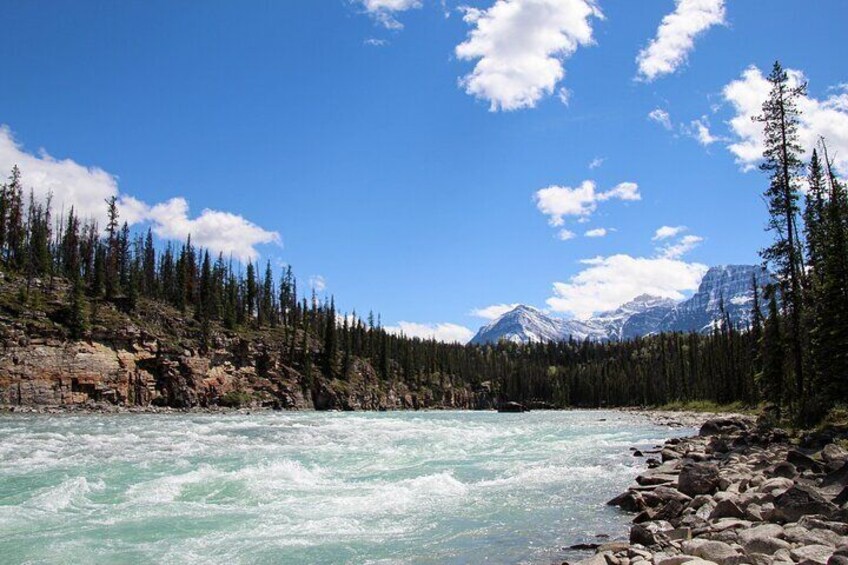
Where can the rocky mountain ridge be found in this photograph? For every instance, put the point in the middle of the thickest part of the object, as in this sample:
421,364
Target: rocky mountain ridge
725,290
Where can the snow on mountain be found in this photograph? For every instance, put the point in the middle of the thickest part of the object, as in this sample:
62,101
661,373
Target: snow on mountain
526,324
729,287
641,316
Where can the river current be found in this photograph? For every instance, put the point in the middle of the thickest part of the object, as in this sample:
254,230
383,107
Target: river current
314,487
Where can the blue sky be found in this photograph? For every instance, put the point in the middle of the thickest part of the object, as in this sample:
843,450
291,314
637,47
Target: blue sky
393,151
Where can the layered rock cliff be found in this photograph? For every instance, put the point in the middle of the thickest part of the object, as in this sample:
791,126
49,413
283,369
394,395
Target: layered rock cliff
152,357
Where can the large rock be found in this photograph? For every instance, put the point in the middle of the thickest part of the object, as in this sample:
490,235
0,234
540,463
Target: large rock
798,501
629,501
834,456
718,426
839,557
726,509
698,478
812,554
650,533
764,545
763,531
715,551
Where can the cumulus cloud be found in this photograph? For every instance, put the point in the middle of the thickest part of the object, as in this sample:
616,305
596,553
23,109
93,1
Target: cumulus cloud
71,184
565,235
666,232
607,282
827,117
494,311
700,130
385,11
86,189
676,35
661,117
680,248
597,232
446,332
557,202
519,47
596,162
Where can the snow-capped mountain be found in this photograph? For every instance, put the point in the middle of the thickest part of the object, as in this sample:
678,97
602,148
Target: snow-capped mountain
526,324
641,316
731,285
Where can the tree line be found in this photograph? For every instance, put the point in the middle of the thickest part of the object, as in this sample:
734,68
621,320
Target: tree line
793,353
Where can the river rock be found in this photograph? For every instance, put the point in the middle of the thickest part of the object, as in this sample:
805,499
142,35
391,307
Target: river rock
629,501
716,551
812,554
764,545
834,456
839,557
763,531
726,509
698,478
718,426
799,501
650,533
665,494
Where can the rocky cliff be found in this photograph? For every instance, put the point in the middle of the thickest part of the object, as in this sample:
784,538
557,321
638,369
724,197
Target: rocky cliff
152,358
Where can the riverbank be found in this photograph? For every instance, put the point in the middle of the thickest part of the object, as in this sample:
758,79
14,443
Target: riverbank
738,492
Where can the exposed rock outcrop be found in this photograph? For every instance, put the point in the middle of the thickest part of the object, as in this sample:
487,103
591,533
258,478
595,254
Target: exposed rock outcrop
743,494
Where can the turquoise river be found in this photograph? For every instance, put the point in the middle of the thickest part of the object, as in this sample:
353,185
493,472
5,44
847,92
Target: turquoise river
314,487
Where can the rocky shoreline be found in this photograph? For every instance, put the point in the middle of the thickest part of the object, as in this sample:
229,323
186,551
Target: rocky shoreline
740,492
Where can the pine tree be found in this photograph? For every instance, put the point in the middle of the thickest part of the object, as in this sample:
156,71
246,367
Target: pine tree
77,318
15,229
250,292
773,355
782,161
831,297
148,266
331,344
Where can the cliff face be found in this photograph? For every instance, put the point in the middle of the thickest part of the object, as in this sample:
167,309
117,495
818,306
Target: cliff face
141,372
153,358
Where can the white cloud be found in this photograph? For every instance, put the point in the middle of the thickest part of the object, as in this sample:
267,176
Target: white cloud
597,232
446,332
607,282
596,162
700,130
661,117
494,311
519,47
565,235
384,11
683,246
826,117
374,42
622,191
72,184
676,36
88,188
666,232
317,283
557,202
224,232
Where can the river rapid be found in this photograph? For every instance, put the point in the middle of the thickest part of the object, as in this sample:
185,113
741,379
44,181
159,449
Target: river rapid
314,487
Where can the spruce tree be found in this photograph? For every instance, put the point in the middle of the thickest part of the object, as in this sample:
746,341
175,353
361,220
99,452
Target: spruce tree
782,161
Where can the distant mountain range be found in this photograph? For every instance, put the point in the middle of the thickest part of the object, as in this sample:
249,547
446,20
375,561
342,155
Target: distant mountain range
644,315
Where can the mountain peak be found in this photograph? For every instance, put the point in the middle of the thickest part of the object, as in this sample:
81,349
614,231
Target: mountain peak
723,286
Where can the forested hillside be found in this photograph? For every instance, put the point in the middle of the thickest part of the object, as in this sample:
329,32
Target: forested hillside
75,281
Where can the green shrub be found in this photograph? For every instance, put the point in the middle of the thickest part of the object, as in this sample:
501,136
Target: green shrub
235,399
